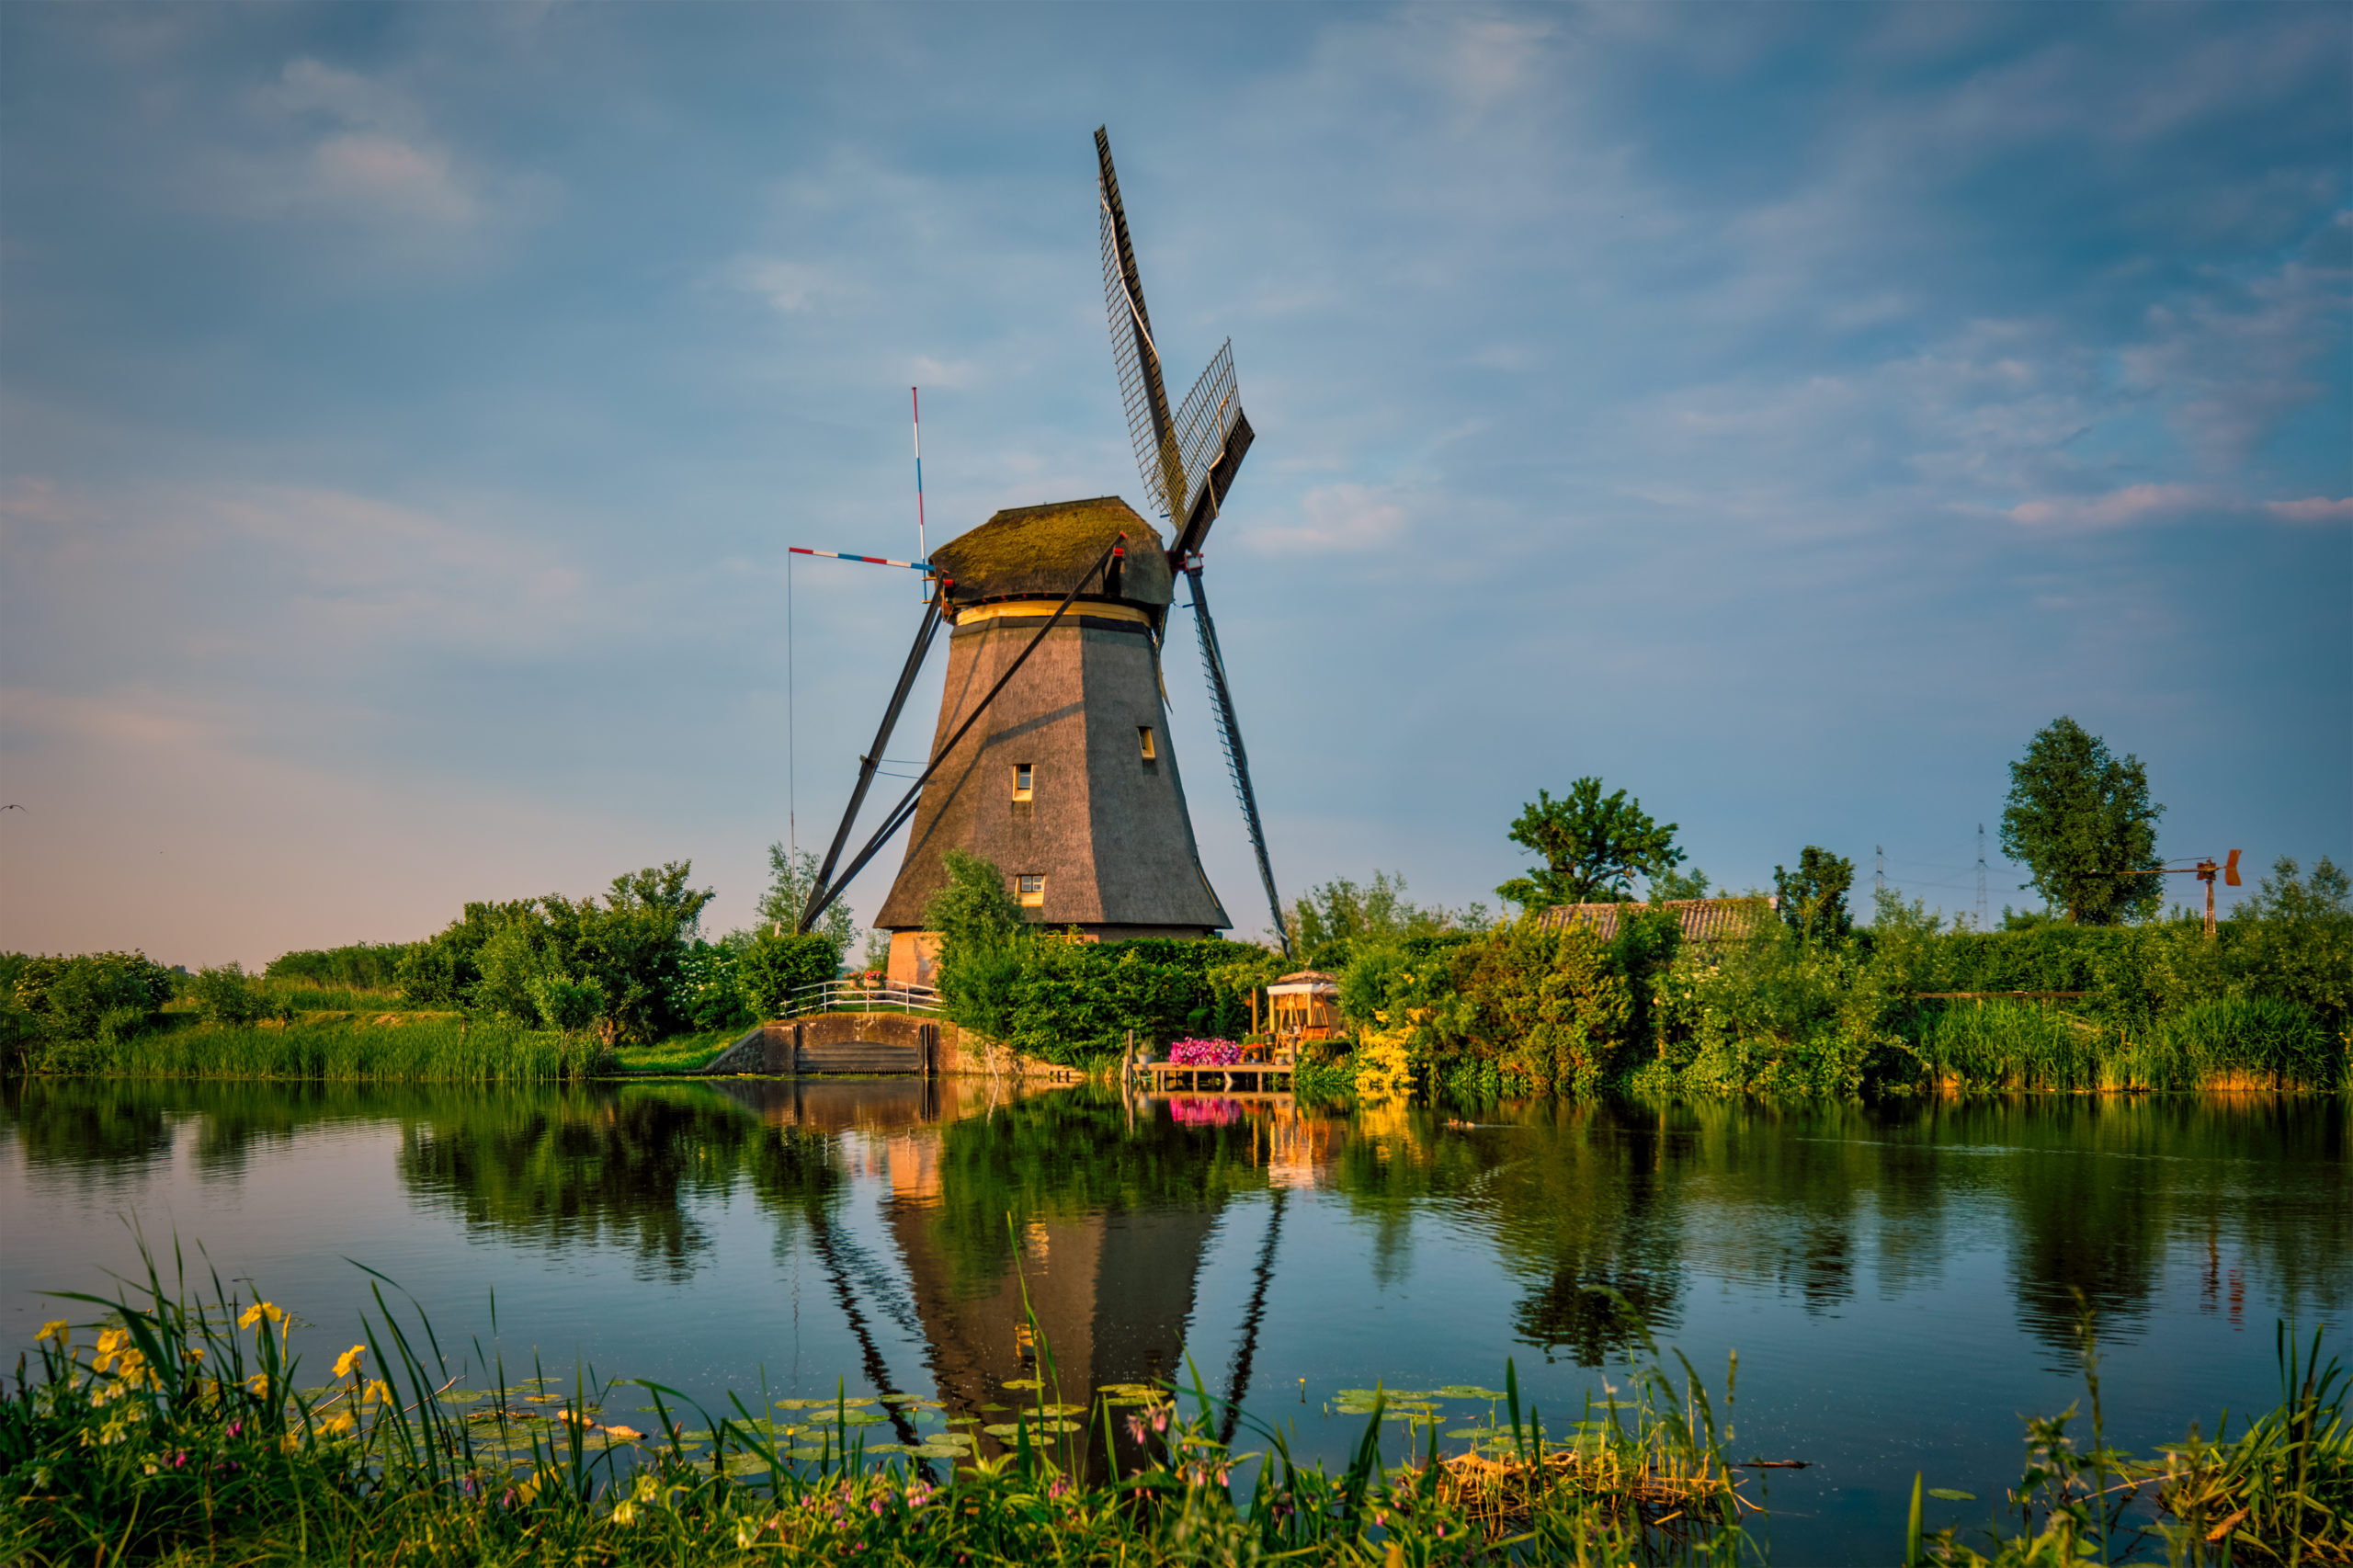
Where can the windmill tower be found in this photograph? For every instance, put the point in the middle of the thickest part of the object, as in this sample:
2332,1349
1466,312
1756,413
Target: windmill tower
1051,756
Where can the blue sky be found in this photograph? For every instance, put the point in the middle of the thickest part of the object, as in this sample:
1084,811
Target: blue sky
1781,412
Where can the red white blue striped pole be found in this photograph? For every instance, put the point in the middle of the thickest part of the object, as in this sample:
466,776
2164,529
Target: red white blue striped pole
915,403
869,560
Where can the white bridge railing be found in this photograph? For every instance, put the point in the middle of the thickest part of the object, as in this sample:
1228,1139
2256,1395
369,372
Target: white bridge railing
851,997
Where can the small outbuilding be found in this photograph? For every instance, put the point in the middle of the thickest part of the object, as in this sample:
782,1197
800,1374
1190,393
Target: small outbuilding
1306,1005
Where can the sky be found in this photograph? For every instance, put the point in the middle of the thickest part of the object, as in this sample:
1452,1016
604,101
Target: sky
1780,411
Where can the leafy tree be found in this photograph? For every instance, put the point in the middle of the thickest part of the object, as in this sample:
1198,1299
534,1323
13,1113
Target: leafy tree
1593,847
632,946
1813,899
981,927
1337,919
774,967
443,970
93,995
790,879
2082,822
2295,939
227,995
1670,884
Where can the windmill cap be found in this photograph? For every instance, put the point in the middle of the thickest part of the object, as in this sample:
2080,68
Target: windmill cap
1037,552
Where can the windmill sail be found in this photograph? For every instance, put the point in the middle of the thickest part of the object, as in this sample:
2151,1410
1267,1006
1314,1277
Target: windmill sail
1188,459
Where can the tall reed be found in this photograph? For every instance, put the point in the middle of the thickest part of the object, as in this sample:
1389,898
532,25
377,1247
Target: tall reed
427,1051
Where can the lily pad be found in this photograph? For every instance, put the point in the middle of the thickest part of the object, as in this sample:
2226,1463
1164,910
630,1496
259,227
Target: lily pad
1950,1495
1025,1383
1469,1390
936,1451
1008,1429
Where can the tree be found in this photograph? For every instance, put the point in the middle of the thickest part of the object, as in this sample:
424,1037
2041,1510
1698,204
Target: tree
2082,822
980,926
1670,884
1593,847
1814,900
790,879
632,946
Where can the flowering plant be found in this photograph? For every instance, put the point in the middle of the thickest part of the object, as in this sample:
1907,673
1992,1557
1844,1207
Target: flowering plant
1204,1053
1205,1113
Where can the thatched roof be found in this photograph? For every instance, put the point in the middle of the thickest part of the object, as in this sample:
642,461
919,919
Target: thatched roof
1702,919
1307,980
1038,552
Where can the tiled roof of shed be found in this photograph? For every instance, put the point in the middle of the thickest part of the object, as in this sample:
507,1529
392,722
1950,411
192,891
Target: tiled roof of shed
1702,919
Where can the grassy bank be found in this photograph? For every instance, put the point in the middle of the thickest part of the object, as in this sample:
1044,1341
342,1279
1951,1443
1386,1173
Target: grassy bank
427,1049
187,1431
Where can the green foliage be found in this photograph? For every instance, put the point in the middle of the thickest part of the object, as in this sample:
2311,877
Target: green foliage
443,970
2082,822
983,944
791,879
1074,1002
1667,884
771,967
632,946
1592,847
102,997
226,995
1550,1005
2294,939
424,1050
360,966
1813,898
1773,1014
1339,918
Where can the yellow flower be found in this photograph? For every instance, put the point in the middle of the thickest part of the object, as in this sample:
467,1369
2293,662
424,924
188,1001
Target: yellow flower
258,1311
345,1363
55,1328
194,1352
624,1512
340,1422
626,1433
377,1391
259,1383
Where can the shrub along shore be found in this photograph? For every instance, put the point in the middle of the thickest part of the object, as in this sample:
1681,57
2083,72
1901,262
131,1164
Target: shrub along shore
1433,1002
175,1429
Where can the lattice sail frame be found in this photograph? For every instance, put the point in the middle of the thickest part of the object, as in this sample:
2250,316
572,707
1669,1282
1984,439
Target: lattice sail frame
1174,471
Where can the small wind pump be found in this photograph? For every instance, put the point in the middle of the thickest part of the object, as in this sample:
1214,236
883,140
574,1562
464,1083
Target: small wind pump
2205,871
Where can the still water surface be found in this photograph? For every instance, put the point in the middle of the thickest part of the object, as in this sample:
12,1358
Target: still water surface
1899,1282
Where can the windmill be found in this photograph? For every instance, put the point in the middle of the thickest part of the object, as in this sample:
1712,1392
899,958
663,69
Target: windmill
1060,770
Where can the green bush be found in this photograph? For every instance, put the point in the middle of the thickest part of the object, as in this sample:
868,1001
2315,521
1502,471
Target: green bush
109,994
773,967
226,995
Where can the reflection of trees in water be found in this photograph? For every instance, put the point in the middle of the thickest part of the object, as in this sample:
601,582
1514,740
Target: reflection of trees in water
62,1123
1073,1153
618,1165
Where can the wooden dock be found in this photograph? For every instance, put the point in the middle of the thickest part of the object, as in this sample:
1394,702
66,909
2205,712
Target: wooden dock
1243,1078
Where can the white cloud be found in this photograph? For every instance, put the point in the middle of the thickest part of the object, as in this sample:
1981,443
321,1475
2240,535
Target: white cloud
2133,503
1346,518
792,288
2313,509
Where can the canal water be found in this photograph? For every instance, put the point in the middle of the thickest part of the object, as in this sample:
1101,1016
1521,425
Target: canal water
1901,1284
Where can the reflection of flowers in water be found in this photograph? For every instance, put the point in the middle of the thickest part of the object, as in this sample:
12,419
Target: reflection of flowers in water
1204,1053
1206,1113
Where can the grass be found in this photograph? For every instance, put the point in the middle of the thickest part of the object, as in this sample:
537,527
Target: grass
184,1431
2237,1042
678,1054
431,1049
